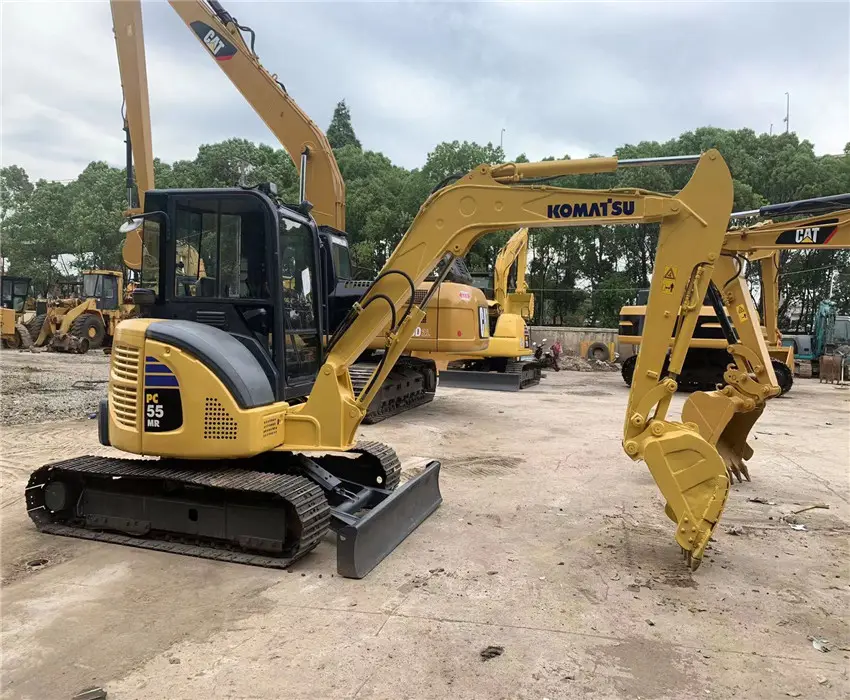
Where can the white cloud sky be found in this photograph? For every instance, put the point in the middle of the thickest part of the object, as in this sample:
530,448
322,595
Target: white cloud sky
559,77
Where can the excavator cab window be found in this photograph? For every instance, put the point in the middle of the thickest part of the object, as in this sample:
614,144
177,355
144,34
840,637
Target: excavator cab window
109,299
102,288
300,287
341,257
149,274
196,253
15,292
92,286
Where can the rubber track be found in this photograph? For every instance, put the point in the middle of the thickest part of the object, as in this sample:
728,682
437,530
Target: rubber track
306,497
379,409
530,372
388,458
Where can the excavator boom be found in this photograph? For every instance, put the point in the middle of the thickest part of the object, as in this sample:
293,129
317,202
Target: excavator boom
130,44
222,37
516,249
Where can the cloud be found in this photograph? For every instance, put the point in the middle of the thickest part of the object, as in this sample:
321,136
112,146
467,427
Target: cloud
560,78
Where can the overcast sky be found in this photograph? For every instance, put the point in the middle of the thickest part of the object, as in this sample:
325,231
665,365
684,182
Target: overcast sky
559,78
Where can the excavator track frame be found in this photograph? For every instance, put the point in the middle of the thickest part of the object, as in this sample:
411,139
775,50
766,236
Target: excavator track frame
78,498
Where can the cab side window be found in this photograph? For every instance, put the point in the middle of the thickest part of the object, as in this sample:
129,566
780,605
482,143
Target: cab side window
297,265
196,253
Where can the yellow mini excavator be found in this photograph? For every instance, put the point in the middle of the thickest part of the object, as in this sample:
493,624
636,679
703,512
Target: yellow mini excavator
501,365
254,426
453,324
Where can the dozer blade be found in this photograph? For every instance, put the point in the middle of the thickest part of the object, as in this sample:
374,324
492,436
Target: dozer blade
724,421
492,381
363,542
693,480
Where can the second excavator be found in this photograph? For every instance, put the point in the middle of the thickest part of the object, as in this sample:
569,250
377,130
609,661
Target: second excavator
506,363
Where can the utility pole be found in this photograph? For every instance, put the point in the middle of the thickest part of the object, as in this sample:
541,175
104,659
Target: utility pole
771,129
787,119
502,138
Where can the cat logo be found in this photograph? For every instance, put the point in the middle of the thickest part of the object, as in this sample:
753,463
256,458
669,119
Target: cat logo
818,234
807,235
220,48
213,42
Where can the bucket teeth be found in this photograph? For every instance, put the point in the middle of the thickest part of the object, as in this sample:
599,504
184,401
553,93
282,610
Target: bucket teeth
724,422
737,471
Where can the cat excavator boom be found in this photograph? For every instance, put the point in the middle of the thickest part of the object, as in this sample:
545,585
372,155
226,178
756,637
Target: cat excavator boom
255,430
519,301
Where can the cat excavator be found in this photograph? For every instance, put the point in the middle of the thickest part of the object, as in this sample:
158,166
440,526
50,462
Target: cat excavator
707,357
254,427
500,365
454,324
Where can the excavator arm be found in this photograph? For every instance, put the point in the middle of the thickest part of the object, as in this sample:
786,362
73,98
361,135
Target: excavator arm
130,44
222,36
689,471
519,302
751,379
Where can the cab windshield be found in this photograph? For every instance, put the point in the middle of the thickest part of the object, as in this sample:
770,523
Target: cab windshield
92,285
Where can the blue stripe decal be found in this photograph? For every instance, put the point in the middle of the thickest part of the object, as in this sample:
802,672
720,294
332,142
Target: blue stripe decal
151,359
153,380
151,368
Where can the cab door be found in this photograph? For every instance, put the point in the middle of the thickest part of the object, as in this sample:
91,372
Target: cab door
301,293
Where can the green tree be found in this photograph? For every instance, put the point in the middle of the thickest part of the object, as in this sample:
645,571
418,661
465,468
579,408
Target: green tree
341,131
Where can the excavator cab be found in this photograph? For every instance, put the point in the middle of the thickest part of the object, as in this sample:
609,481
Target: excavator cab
236,260
15,292
104,288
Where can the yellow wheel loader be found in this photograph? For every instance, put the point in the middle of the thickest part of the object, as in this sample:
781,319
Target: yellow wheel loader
16,292
255,426
453,324
81,324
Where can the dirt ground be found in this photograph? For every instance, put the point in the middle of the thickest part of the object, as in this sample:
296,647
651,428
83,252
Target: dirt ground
550,543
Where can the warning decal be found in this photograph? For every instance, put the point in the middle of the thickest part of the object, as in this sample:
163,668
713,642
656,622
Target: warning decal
741,310
669,279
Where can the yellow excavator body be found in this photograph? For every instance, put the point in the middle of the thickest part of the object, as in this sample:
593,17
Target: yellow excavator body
500,364
186,391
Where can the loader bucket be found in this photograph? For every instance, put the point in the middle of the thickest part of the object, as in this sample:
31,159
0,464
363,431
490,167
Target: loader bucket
725,421
364,541
692,478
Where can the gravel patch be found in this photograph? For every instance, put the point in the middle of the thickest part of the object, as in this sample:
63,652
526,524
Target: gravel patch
36,387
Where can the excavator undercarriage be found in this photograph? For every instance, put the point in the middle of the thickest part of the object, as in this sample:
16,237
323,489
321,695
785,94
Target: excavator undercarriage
268,510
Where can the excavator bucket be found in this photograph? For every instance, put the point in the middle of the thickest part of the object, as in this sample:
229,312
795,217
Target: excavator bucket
692,478
363,542
725,421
